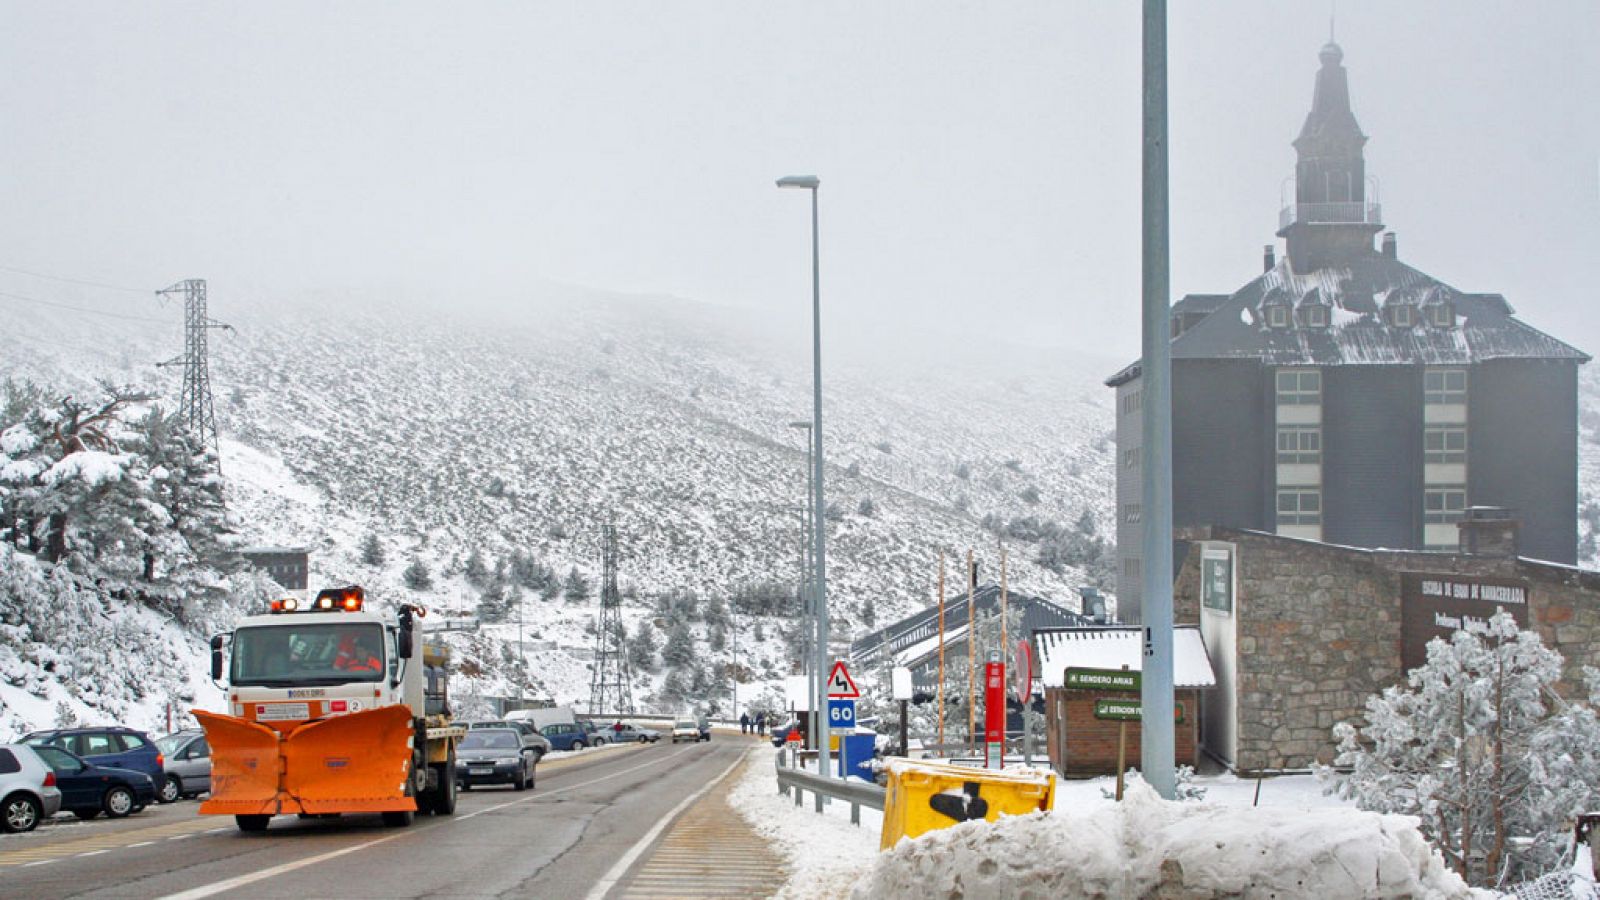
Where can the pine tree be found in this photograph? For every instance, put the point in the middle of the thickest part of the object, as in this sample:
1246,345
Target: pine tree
492,606
372,553
416,575
869,612
679,650
642,648
1470,748
551,590
477,571
576,587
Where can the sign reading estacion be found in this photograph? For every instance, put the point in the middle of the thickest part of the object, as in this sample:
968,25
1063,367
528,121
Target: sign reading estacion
1101,679
1216,579
1129,710
1437,606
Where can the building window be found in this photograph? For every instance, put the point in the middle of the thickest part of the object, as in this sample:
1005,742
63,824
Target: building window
1300,444
1442,315
1131,569
1299,387
1277,317
1402,316
1315,316
1132,513
1132,402
1444,444
1130,458
1300,507
1444,386
1446,504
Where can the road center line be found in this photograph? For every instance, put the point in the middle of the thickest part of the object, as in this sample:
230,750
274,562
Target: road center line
211,890
610,879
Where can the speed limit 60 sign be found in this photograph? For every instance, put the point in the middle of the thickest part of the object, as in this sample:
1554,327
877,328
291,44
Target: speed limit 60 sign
841,714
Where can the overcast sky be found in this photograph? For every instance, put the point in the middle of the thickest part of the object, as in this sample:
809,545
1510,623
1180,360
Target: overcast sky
979,160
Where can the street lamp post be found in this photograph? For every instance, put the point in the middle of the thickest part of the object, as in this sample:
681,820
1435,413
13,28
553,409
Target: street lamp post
807,653
819,564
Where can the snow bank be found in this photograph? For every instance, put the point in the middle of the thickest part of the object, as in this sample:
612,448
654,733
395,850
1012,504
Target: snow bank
1149,847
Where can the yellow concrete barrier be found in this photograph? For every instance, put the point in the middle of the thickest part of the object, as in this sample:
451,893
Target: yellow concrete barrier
924,796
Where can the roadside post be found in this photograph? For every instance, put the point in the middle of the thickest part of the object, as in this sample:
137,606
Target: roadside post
1024,672
900,689
994,712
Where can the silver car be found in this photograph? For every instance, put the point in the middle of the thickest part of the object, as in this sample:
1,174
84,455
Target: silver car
187,763
28,789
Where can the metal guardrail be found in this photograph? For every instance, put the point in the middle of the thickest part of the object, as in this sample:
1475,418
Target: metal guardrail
855,793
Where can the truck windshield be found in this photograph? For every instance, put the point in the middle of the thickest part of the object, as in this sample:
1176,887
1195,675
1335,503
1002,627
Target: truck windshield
309,653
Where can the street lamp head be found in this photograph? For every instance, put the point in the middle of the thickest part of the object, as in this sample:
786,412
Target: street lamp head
809,182
799,423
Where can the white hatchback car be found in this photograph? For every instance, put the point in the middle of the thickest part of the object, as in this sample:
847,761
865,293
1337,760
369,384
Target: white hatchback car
685,730
28,791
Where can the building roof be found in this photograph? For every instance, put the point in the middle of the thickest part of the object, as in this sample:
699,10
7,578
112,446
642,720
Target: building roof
1116,647
922,625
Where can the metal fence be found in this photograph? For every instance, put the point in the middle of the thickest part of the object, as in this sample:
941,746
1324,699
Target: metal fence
855,793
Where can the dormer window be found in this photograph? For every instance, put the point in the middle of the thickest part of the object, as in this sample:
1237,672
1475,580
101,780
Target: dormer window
1277,317
1315,316
1442,315
1402,316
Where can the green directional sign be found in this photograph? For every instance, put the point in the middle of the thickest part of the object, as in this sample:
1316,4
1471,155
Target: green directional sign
1101,679
1128,710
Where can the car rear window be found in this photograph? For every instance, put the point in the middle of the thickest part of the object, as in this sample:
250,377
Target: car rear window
133,742
8,762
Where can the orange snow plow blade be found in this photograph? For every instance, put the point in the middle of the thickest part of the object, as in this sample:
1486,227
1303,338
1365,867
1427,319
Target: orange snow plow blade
344,764
353,763
244,766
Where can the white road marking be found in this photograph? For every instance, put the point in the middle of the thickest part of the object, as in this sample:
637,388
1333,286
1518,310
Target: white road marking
140,844
211,890
41,862
610,879
93,853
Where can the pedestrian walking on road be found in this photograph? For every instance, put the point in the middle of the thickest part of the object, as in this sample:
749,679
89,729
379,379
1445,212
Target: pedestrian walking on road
761,724
744,723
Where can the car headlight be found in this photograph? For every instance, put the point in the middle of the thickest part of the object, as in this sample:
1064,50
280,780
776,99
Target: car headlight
507,761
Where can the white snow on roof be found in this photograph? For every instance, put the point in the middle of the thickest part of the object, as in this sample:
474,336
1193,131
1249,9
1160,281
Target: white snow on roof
914,652
1114,648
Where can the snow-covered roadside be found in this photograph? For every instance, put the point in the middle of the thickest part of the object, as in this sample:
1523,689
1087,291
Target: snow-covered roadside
825,853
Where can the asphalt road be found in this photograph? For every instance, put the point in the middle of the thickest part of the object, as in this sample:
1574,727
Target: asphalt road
571,832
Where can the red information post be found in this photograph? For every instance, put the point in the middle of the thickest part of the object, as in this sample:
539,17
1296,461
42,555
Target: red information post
994,714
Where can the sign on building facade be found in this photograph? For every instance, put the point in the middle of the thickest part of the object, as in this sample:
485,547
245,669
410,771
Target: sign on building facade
1438,605
1216,579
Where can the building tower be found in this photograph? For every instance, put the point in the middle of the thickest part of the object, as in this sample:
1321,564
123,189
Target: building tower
194,403
1333,218
610,689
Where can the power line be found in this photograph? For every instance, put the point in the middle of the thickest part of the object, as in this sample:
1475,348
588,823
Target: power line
86,283
83,309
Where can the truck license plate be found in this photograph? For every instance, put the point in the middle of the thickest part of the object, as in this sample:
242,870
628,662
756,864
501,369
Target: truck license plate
281,712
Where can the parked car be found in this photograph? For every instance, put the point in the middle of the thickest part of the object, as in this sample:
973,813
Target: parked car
780,733
89,789
594,734
28,789
685,730
495,756
566,736
633,734
187,763
539,742
112,746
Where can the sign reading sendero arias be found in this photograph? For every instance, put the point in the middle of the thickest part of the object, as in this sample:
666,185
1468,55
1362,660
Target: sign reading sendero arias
1101,679
1437,606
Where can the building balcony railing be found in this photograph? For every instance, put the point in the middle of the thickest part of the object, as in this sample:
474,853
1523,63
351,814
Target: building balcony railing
1357,212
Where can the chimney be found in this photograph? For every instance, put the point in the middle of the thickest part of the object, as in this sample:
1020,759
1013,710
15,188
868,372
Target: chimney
1269,261
1093,605
1389,248
1488,531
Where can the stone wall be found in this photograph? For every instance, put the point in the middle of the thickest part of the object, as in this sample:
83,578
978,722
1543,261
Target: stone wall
1319,632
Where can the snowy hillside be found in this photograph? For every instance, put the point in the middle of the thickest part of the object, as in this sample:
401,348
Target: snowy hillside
517,434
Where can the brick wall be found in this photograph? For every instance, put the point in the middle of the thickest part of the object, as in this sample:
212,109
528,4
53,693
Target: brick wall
1082,745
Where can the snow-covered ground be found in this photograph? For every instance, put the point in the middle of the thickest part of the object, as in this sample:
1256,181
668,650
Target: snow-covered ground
1298,843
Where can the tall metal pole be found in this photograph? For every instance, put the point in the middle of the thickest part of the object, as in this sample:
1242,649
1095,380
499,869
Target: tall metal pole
1156,741
972,651
819,559
808,640
940,689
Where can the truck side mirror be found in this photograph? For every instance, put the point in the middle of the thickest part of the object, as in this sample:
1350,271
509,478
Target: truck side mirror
406,632
216,657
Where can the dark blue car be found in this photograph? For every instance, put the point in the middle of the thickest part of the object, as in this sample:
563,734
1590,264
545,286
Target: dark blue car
89,790
565,736
114,746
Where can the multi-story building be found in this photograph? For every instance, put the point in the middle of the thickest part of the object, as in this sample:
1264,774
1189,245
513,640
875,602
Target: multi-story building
1344,396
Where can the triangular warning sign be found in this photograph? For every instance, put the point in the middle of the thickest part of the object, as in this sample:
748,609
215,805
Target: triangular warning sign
840,684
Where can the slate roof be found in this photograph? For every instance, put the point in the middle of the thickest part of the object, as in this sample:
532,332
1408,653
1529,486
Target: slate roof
1357,334
923,625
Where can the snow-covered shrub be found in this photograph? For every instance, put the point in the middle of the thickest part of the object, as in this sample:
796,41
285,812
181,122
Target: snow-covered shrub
1482,750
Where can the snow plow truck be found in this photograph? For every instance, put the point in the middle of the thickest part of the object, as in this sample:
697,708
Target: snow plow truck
333,708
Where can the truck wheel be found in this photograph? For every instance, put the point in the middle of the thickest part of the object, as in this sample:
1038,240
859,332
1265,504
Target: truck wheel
398,819
252,823
444,802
